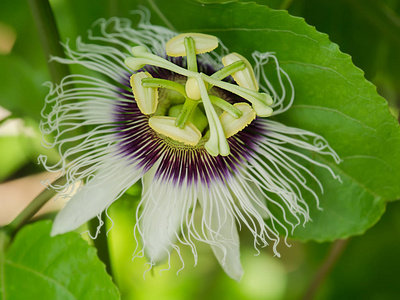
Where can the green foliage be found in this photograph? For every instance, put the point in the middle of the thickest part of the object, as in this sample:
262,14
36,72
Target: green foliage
25,82
332,99
37,266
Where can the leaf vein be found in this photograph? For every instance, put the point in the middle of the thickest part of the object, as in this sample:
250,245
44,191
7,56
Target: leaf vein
25,268
334,111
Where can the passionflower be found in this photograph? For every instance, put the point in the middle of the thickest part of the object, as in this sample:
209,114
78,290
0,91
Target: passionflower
195,126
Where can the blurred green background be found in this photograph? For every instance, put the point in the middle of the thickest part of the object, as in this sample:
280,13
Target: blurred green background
368,30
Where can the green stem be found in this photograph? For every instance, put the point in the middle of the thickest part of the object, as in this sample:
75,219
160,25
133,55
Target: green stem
112,8
190,54
4,242
229,69
101,242
163,83
384,19
285,4
33,208
49,37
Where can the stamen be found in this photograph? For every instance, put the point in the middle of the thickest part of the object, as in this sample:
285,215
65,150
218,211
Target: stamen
245,77
226,106
204,43
165,84
260,101
196,88
184,114
189,135
217,143
145,58
190,47
233,125
146,97
195,116
228,70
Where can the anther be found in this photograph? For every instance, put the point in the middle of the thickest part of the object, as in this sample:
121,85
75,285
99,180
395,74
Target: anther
233,125
204,43
146,97
245,77
188,135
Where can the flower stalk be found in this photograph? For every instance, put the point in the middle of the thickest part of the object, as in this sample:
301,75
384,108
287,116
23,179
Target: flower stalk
49,37
33,207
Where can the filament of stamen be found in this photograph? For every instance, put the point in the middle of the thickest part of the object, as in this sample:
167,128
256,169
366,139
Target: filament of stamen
217,144
226,106
187,109
191,54
260,101
228,70
245,77
164,83
154,60
196,116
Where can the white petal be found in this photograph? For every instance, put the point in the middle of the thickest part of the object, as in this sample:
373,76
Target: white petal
219,216
95,196
161,219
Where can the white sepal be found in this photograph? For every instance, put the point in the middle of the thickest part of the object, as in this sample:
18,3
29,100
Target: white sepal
94,197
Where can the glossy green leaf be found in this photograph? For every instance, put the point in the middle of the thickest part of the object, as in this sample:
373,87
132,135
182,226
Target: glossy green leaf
37,266
333,99
21,90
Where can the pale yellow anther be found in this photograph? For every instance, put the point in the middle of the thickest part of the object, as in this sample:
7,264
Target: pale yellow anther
192,89
245,77
203,43
146,98
232,125
189,135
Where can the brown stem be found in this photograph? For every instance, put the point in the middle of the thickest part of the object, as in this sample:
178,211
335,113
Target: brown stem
331,259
